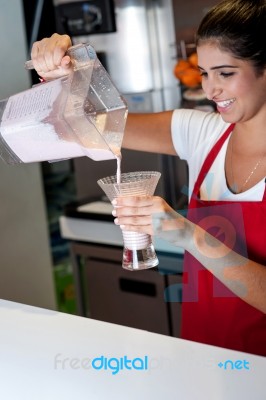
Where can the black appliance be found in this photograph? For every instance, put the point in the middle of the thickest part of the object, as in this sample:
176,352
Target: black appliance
84,17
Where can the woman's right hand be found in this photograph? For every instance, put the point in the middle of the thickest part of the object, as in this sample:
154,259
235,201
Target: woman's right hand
49,56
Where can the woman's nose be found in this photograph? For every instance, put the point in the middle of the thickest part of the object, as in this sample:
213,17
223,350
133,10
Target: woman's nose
211,89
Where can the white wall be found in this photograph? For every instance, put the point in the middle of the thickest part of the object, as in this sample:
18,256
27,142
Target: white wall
25,260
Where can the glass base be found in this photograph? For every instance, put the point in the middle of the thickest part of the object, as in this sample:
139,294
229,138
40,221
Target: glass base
137,260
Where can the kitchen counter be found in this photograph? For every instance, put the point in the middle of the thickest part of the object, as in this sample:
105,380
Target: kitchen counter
51,355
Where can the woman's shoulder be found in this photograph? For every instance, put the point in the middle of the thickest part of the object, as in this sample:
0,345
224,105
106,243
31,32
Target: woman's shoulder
195,130
201,119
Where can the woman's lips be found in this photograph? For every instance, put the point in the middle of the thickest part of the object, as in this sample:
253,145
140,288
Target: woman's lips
223,105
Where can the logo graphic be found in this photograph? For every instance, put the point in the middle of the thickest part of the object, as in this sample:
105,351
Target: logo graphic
118,364
220,228
220,240
113,364
234,365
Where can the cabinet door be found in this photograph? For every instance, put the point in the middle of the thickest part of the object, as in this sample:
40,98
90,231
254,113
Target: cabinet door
172,267
134,299
173,293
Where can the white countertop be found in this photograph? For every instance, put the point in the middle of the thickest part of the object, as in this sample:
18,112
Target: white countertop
47,355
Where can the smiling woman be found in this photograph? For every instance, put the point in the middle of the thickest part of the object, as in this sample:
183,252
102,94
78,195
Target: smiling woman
224,236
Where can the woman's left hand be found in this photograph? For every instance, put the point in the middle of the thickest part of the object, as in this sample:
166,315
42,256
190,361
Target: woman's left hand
154,216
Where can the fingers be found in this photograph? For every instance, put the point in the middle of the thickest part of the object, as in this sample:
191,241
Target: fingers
48,56
135,207
136,213
138,203
134,201
153,216
142,226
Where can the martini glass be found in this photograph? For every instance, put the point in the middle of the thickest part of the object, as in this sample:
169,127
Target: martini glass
138,252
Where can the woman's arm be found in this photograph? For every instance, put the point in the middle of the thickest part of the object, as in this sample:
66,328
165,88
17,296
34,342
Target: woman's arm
152,215
149,132
145,132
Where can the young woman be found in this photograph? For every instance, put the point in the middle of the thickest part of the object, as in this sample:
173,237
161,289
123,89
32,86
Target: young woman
224,235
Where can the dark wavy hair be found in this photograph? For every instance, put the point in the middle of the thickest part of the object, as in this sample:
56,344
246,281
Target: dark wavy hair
239,27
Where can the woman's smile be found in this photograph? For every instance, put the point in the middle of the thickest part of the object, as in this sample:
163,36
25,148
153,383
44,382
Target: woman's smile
224,105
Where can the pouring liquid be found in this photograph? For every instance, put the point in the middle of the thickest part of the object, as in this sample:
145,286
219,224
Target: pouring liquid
118,169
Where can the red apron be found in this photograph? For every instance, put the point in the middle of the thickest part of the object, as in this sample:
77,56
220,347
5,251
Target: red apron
211,313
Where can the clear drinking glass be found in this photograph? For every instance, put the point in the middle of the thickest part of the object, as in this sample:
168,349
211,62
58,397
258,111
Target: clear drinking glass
138,252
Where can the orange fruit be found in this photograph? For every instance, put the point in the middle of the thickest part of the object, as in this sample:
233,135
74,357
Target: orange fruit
190,77
193,59
180,67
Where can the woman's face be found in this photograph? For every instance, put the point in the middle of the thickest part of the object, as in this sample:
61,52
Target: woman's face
232,84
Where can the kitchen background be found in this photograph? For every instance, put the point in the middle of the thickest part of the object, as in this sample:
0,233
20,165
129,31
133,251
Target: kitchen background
35,265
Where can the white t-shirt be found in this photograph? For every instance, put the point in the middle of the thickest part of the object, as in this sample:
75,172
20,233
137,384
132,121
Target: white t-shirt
194,133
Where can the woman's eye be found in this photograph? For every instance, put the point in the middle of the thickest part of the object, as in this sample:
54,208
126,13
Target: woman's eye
203,74
226,74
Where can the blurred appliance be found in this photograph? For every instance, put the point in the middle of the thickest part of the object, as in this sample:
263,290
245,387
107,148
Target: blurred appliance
84,17
136,38
135,41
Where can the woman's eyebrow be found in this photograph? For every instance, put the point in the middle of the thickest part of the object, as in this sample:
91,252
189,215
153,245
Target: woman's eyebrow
219,66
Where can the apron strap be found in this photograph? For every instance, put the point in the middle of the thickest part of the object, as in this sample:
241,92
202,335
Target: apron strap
208,163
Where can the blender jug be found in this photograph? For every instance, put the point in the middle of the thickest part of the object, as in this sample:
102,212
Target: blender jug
82,114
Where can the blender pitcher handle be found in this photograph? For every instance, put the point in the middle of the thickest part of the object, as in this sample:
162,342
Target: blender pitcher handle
80,54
